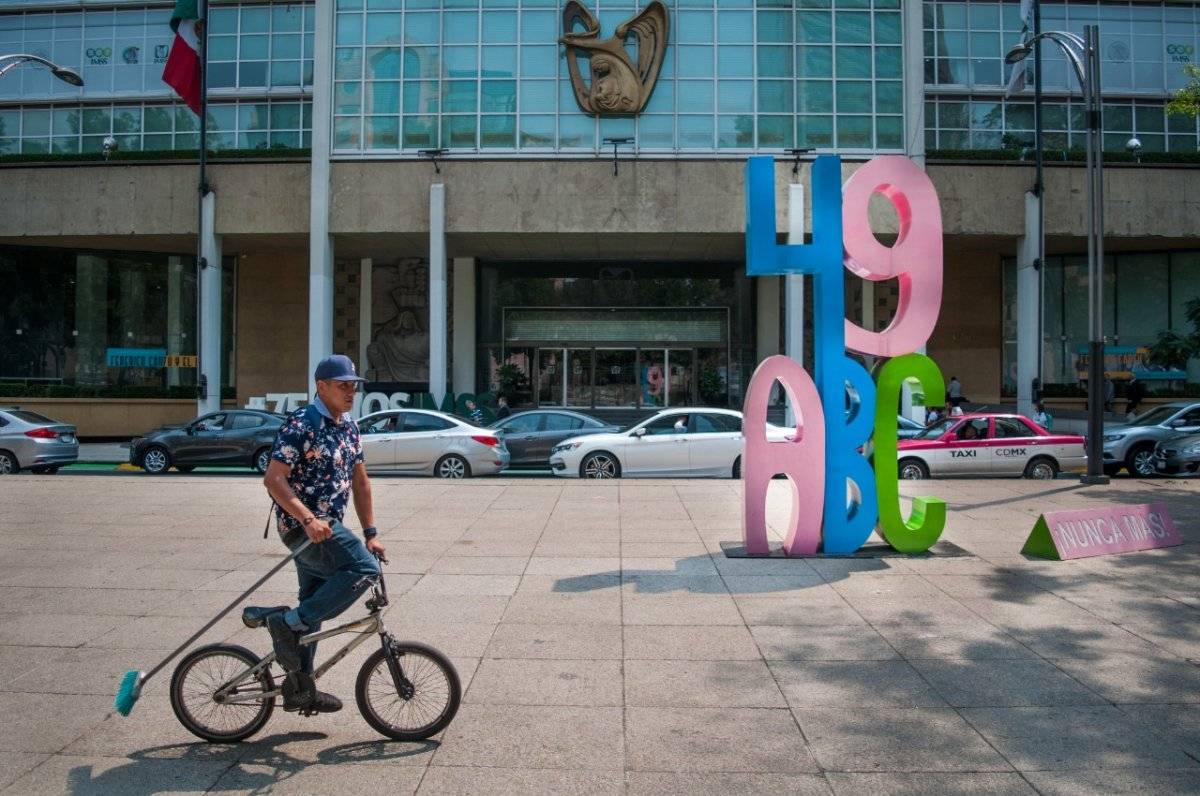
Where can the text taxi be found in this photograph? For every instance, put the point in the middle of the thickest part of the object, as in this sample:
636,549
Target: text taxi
989,444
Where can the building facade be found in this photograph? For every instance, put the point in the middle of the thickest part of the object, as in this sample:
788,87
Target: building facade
423,185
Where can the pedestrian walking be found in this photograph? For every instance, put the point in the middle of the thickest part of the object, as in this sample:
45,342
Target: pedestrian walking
1110,394
1134,395
954,392
316,467
1042,417
502,410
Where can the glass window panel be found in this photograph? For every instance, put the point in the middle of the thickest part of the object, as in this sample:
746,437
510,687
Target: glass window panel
735,132
889,62
538,96
383,63
66,121
459,61
1177,123
150,143
499,61
499,95
1118,117
499,26
954,115
349,29
35,146
663,98
458,132
539,61
775,96
539,27
984,16
1185,276
814,61
99,120
735,96
347,132
1143,282
129,119
421,62
656,131
814,27
460,27
774,26
220,20
252,73
285,73
347,98
775,132
575,131
1153,142
220,117
952,45
736,61
774,61
735,26
854,132
421,28
288,139
695,61
815,96
617,127
853,96
384,28
347,64
986,71
222,48
1054,116
256,19
887,28
814,131
981,139
852,27
384,97
695,132
1181,143
221,75
252,116
382,132
695,96
694,27
1018,116
420,132
287,18
954,15
498,131
889,132
537,132
986,45
853,62
954,139
35,123
420,96
889,96
987,116
1149,119
285,46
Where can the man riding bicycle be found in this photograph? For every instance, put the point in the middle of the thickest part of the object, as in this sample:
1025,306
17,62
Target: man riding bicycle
316,465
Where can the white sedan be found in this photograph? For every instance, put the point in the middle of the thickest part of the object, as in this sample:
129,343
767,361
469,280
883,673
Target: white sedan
675,443
430,443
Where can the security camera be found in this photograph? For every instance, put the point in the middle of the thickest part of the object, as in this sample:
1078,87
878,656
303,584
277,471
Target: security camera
109,145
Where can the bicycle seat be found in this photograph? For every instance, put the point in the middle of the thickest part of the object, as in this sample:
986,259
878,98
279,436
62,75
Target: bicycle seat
256,615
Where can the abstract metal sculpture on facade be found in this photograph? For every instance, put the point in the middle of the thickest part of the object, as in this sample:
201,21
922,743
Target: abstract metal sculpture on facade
618,86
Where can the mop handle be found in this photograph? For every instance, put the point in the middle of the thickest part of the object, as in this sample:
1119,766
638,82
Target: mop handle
300,549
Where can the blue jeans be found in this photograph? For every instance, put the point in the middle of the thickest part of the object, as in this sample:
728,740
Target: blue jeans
333,575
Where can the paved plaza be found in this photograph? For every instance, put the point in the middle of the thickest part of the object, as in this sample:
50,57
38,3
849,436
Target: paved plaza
606,645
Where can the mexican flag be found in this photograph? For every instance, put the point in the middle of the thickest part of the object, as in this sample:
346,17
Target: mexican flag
182,71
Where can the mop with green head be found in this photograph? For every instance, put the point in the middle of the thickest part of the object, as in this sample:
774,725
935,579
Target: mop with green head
134,680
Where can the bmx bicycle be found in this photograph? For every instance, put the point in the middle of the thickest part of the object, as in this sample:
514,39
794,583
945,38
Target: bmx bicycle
405,690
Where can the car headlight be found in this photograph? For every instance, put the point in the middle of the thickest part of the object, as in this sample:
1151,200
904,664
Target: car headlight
1192,449
1113,437
566,446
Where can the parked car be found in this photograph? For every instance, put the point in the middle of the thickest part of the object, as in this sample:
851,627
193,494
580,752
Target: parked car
32,441
530,435
233,437
989,444
430,443
1178,454
907,429
1131,445
674,443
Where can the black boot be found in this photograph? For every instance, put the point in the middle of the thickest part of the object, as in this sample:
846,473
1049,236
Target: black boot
286,642
300,694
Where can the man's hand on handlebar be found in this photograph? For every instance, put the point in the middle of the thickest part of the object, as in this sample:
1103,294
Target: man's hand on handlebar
317,530
377,549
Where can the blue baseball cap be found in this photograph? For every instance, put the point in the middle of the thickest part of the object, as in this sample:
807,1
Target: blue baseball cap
338,367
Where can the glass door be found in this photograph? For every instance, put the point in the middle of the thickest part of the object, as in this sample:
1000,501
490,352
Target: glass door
550,376
652,377
579,377
616,382
680,376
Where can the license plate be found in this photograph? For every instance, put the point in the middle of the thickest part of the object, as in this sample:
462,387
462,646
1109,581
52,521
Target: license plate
67,438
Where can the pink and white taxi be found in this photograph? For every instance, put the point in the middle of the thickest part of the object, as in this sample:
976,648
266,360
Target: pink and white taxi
989,444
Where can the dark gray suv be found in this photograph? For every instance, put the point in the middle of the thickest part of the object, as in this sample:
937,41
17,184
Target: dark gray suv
233,437
1131,445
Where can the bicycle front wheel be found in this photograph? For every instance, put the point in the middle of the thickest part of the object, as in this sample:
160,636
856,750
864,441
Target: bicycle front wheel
426,700
203,673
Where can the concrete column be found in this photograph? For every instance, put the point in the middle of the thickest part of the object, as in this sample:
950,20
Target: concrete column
767,301
438,332
210,306
320,253
1028,344
91,319
914,82
793,286
464,325
366,271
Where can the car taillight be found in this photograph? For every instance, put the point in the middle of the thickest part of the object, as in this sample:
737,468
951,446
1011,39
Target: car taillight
482,440
42,433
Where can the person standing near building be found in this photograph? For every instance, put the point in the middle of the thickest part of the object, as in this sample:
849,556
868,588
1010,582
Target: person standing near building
1110,393
954,393
1042,417
502,410
1134,395
475,413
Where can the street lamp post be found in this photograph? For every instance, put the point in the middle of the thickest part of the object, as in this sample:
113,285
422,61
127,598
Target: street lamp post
9,62
1084,56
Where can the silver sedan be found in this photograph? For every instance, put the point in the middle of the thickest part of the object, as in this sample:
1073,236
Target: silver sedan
34,442
430,443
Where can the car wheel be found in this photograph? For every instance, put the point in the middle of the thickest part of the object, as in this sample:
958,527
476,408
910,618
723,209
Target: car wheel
1042,469
913,470
737,468
1140,461
8,464
262,460
600,465
452,466
156,460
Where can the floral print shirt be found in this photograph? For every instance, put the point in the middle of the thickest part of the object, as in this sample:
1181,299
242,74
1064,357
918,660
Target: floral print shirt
322,454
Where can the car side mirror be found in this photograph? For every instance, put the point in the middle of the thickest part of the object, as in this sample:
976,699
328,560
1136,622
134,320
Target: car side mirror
641,432
191,431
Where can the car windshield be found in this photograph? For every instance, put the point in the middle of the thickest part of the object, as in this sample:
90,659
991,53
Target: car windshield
30,417
1155,416
938,429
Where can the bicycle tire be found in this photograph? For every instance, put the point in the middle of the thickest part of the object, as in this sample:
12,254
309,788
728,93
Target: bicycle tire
375,683
188,680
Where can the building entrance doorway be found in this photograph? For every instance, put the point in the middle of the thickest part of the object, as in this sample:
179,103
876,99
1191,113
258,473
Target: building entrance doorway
632,378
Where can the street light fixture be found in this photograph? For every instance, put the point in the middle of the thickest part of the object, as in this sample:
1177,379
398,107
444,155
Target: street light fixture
61,72
1084,56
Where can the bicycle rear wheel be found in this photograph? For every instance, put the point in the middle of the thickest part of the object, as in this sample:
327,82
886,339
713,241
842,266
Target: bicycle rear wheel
205,671
427,700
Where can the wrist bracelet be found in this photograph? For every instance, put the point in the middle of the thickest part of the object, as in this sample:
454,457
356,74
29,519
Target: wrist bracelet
307,520
370,532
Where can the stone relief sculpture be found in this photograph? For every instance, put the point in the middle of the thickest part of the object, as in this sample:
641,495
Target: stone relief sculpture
399,347
618,86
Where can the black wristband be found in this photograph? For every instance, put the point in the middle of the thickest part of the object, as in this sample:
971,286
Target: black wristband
370,532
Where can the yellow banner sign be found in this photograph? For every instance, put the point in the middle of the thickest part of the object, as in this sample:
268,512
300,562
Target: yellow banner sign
180,361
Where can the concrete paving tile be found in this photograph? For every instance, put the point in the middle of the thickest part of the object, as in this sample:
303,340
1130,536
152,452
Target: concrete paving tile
570,584
599,608
1127,782
907,611
696,642
896,740
460,585
532,681
1084,642
151,730
762,567
977,642
466,639
808,684
921,784
752,740
291,742
48,722
572,567
422,609
56,630
1137,679
107,775
1180,724
587,738
462,781
13,765
579,548
587,642
662,549
674,609
822,643
741,684
165,632
307,779
81,671
480,565
1004,683
716,784
1074,738
499,547
818,605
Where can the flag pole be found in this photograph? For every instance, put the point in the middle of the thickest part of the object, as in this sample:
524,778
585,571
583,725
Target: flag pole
202,388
